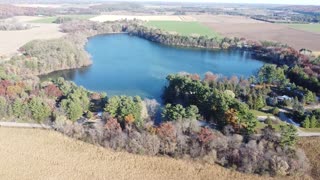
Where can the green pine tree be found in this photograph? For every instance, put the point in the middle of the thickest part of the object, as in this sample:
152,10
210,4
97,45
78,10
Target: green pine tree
288,136
313,122
306,122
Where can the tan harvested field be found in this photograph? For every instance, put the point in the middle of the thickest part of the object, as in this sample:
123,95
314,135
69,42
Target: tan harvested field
42,154
316,53
311,146
103,18
235,26
11,41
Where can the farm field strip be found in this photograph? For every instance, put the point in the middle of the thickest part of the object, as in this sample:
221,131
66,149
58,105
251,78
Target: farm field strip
104,18
53,18
183,28
234,26
34,154
11,41
306,27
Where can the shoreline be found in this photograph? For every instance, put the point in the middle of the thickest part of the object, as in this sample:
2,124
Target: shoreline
262,54
161,44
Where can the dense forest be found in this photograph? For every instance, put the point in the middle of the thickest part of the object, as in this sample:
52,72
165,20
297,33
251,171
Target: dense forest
128,123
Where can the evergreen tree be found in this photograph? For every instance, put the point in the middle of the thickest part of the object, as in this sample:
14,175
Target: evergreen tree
313,122
18,108
271,74
39,109
260,102
250,102
3,106
112,106
192,112
9,110
288,136
306,122
178,112
75,111
298,107
173,112
122,107
309,97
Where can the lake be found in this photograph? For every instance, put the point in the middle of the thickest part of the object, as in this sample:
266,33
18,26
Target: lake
129,65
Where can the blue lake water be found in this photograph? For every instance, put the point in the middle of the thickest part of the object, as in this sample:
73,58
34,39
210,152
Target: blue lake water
128,65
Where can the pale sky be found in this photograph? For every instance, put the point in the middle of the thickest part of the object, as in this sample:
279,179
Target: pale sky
297,2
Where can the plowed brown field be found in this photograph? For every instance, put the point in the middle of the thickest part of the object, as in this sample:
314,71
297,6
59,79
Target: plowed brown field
236,26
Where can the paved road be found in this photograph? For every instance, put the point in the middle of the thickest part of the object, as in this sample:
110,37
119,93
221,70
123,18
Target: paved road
307,134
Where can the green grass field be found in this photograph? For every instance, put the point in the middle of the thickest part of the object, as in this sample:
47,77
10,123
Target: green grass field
44,20
306,27
276,125
183,28
53,18
260,113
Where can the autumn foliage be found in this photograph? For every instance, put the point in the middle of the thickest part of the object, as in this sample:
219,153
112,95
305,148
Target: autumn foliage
129,119
168,137
112,125
53,91
232,119
205,136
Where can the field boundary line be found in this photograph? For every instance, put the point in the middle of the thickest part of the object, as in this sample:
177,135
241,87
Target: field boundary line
24,125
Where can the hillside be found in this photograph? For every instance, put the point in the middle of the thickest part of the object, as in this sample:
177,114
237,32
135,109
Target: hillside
34,154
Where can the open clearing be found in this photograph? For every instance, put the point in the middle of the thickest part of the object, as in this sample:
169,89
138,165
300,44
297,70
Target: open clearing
104,18
43,154
11,41
306,27
183,28
235,26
